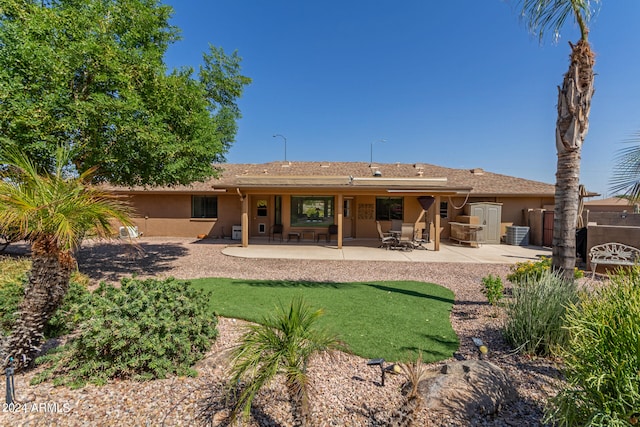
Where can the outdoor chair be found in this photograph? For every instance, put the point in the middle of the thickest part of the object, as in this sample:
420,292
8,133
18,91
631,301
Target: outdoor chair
276,229
420,238
406,237
386,239
331,231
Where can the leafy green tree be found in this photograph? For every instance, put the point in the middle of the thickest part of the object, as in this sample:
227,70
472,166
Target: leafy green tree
626,173
89,74
282,344
572,124
53,210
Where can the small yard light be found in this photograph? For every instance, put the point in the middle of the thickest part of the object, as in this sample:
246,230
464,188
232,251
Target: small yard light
379,362
10,384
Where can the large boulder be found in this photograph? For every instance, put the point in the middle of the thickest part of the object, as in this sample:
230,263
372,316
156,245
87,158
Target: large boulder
467,388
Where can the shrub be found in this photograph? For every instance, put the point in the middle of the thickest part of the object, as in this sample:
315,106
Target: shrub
13,277
283,343
143,330
67,317
493,288
13,273
535,313
521,270
602,360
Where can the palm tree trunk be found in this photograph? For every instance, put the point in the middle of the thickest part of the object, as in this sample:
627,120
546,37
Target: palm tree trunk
299,401
566,213
405,416
48,283
574,105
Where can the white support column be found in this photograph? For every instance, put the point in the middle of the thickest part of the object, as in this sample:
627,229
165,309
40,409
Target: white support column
245,221
340,211
436,223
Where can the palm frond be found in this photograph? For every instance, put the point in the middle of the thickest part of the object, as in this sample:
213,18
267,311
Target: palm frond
282,343
59,205
541,16
626,172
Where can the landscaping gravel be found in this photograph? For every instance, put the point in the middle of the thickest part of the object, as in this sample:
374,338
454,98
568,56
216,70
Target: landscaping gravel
346,392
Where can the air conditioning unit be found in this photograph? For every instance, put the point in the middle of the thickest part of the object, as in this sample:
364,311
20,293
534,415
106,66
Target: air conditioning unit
129,232
236,232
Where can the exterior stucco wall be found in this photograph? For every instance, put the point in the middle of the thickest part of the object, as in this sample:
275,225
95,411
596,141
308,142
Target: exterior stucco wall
170,215
365,215
614,218
610,208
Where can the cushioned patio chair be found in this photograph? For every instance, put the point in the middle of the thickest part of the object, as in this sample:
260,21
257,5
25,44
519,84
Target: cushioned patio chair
386,239
406,241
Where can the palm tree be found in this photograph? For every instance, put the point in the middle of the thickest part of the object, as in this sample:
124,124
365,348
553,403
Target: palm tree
406,414
626,173
282,344
572,124
52,210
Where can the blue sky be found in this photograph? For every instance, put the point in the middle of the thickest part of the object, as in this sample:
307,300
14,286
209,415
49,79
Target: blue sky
460,84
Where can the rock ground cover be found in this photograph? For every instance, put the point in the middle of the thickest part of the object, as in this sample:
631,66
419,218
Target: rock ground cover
346,390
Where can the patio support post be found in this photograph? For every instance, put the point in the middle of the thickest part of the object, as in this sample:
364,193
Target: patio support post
245,221
436,223
340,211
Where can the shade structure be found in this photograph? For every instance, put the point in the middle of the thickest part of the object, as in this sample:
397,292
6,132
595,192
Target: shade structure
426,201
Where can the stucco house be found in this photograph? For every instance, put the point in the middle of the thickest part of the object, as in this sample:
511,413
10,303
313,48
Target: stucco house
247,200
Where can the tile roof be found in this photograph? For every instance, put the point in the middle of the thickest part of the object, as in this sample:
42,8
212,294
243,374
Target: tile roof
481,182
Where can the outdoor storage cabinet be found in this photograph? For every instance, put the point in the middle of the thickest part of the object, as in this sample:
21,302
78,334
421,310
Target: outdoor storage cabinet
490,215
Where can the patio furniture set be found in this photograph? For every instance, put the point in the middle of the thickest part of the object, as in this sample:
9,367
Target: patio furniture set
278,229
401,236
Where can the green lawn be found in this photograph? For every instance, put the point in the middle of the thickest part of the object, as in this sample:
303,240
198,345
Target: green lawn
393,320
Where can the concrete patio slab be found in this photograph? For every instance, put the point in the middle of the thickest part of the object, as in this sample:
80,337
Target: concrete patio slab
362,250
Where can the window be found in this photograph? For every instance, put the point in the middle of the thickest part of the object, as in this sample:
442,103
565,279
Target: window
388,208
261,208
444,209
315,211
346,208
204,207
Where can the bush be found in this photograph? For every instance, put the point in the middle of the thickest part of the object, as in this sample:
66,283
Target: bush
13,277
67,317
143,330
13,274
493,288
602,360
521,270
536,311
